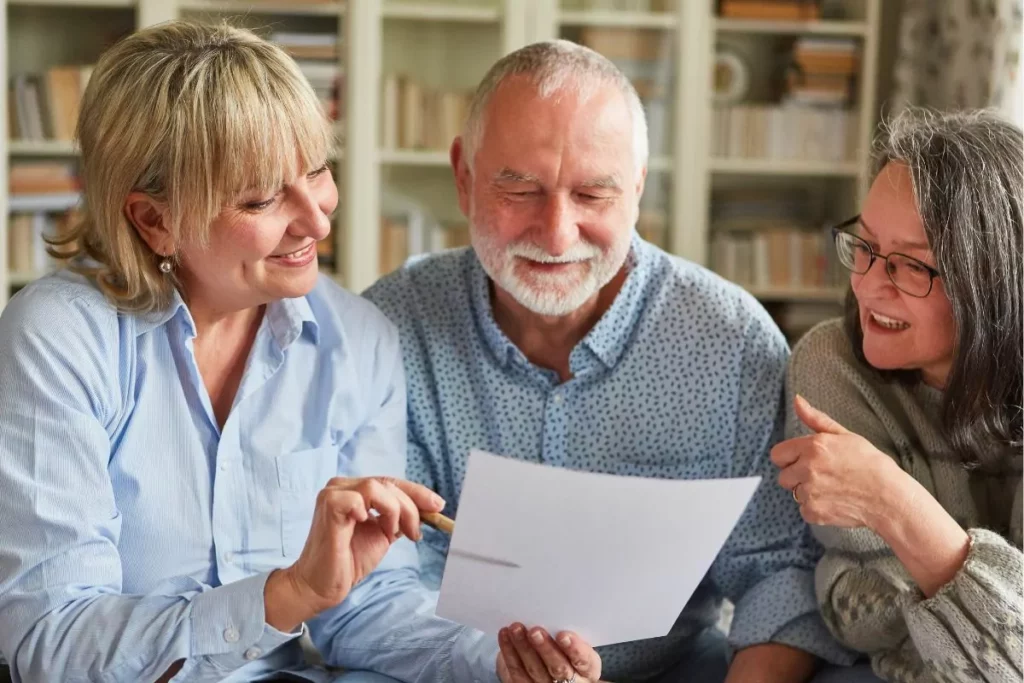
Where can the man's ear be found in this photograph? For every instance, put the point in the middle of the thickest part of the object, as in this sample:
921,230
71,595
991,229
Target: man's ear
640,182
146,216
463,176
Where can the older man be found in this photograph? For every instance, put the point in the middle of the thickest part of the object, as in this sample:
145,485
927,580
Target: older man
563,338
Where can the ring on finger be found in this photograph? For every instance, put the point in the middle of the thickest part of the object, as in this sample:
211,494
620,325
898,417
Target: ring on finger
795,496
567,680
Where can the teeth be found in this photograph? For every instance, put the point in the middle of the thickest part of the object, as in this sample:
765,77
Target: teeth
889,323
300,252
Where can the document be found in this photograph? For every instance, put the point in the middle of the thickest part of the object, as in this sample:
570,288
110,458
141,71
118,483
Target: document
612,558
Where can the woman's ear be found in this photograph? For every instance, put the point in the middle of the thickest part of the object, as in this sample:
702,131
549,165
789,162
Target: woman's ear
146,215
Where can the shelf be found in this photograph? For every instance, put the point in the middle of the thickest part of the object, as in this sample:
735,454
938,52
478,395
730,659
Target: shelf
822,27
421,157
42,148
824,295
615,19
20,279
72,3
414,157
56,202
425,12
794,167
332,9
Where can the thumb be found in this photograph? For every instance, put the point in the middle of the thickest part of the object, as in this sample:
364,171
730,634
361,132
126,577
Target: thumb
816,420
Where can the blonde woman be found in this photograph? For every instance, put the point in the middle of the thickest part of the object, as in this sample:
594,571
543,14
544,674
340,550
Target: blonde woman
905,443
174,403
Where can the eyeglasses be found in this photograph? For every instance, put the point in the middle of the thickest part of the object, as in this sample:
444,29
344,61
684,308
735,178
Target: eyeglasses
910,275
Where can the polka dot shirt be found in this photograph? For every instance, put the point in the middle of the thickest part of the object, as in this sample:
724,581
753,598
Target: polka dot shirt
681,378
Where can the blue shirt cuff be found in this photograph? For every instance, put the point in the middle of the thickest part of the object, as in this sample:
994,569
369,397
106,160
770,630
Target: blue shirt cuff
231,620
783,608
809,633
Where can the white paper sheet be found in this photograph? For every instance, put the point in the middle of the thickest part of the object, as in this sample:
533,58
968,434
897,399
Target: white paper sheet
612,558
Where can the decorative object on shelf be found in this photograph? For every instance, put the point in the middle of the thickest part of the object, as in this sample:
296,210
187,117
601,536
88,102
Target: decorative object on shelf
731,78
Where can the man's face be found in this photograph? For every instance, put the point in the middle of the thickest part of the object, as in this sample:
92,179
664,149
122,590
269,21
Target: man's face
553,194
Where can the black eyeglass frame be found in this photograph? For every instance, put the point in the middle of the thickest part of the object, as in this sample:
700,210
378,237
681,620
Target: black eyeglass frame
841,229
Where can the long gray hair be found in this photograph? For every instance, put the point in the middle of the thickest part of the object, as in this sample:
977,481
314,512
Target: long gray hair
967,170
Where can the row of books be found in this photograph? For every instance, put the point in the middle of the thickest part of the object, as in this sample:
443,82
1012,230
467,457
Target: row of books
784,132
401,238
26,248
45,106
415,116
781,258
621,5
778,10
42,177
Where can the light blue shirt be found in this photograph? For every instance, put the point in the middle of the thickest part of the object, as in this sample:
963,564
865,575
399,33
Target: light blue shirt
136,532
681,378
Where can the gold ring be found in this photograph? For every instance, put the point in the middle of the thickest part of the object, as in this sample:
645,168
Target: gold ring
798,501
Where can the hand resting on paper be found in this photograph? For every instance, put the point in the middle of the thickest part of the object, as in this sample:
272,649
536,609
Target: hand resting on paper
533,656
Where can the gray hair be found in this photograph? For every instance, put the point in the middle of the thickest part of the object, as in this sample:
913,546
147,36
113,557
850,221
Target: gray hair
552,66
967,171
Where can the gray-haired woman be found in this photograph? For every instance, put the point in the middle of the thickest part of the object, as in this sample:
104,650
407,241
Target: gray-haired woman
905,432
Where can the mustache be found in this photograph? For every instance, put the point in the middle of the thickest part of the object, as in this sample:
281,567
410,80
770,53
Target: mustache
581,251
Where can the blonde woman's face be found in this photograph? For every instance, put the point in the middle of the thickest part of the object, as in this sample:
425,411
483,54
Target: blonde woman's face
262,246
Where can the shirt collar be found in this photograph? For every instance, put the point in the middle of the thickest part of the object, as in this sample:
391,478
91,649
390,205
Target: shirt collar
288,319
608,339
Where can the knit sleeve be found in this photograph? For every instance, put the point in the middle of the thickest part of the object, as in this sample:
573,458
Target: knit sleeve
971,629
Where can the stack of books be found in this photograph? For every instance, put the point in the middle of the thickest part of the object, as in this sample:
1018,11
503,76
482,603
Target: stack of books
823,72
773,10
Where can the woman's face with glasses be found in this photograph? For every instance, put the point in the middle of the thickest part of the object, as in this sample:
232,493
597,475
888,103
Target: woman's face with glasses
904,311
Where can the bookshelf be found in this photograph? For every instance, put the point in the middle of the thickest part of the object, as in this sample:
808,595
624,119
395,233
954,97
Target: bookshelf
811,87
425,57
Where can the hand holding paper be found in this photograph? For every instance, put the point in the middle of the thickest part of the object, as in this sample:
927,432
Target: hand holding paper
611,558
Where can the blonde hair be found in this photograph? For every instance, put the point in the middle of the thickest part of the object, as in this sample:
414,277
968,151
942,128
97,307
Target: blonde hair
192,115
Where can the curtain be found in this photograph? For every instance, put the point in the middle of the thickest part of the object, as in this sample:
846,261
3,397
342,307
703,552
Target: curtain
960,54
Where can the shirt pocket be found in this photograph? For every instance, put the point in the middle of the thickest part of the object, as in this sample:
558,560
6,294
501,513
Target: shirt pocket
300,476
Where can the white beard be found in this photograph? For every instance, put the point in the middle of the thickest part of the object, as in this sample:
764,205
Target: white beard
551,294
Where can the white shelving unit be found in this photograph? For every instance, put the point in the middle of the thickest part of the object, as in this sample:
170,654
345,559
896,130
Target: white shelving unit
841,184
451,45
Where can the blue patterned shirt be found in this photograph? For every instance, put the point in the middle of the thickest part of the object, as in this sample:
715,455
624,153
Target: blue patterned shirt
137,531
681,378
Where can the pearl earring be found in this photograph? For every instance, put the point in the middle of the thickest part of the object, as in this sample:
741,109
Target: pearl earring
166,265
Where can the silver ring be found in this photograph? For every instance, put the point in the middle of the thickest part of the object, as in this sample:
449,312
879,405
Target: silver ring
798,501
567,680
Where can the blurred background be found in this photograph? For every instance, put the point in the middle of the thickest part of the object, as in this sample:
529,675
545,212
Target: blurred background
761,114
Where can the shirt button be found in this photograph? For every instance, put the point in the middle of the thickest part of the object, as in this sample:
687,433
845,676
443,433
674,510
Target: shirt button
229,557
253,653
558,398
231,634
223,467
